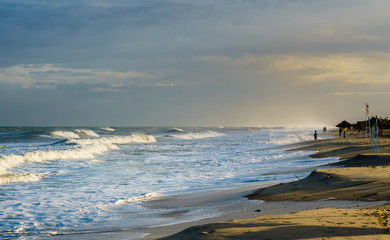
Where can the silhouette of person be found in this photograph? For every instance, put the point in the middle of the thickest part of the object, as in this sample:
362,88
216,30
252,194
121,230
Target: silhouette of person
315,135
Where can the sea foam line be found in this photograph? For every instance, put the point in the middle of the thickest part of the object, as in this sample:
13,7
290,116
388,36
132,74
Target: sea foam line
142,198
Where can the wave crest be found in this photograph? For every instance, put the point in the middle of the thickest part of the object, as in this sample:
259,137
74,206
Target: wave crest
107,129
86,133
85,149
291,138
77,133
200,135
64,134
19,178
175,130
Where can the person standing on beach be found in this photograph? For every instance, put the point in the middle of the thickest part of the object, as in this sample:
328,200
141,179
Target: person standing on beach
315,135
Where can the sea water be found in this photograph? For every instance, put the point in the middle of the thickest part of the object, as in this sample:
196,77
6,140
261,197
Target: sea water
64,181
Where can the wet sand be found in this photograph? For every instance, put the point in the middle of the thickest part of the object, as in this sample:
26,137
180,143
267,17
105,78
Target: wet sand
360,175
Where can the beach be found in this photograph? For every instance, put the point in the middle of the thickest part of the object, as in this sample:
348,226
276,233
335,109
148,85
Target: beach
155,182
360,176
141,182
173,119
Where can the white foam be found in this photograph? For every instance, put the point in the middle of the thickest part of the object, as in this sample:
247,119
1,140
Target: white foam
107,129
291,138
176,130
108,141
18,178
200,135
86,149
142,198
134,171
86,133
64,134
10,161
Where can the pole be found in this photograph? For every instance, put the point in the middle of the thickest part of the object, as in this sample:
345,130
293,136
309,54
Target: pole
366,117
370,133
377,136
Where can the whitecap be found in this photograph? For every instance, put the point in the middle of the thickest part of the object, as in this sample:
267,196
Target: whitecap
85,149
199,135
64,134
107,129
175,130
86,133
19,178
291,138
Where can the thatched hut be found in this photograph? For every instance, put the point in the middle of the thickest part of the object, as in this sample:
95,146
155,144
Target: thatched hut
383,123
360,125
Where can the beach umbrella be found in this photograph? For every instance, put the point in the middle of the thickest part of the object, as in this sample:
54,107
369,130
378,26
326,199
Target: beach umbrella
344,124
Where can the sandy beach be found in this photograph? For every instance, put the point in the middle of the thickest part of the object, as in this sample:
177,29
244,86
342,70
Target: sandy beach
360,175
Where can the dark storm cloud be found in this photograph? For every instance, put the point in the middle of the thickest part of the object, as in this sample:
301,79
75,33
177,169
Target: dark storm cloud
85,31
51,31
141,34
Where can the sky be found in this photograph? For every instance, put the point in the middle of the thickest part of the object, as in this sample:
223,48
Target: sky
193,62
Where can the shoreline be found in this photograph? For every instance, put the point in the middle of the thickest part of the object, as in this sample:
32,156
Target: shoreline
207,198
359,175
245,213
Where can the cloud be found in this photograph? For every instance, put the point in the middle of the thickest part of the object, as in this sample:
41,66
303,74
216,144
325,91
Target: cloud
196,59
359,93
165,84
49,74
332,35
344,69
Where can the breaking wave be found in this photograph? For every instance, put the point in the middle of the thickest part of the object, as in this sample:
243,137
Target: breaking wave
85,149
200,135
291,138
100,145
107,129
175,130
64,134
86,133
19,178
77,133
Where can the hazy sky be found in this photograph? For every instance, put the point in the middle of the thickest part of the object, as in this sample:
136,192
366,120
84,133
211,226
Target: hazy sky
193,62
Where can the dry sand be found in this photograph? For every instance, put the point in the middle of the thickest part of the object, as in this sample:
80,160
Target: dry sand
313,224
360,175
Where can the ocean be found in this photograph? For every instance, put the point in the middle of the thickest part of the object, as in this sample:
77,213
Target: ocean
64,181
